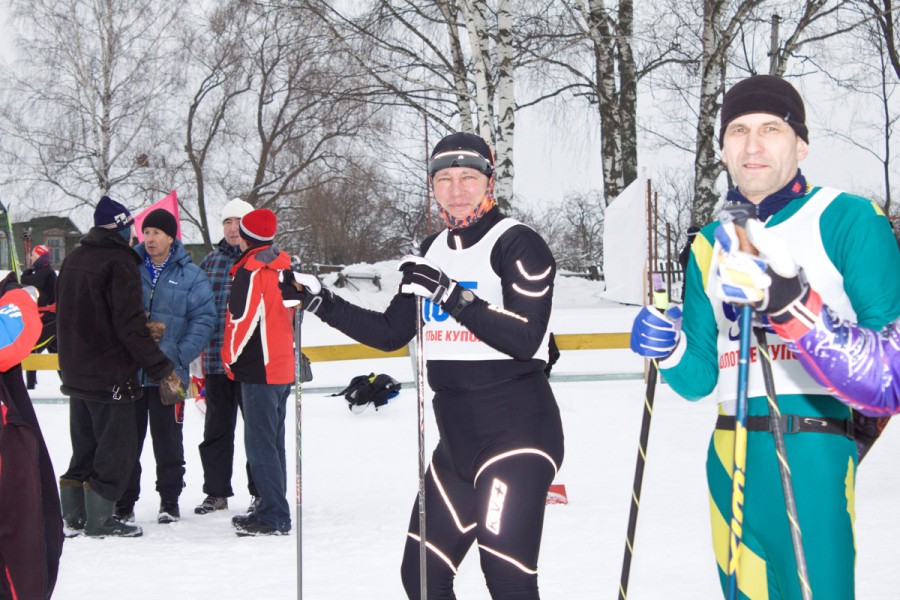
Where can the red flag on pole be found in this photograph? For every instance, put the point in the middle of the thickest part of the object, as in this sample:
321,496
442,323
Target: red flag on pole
169,203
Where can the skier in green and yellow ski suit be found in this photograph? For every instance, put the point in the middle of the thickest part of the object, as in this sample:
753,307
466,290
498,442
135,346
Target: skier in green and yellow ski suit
846,247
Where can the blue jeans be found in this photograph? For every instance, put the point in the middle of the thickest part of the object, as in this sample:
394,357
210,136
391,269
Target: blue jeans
264,414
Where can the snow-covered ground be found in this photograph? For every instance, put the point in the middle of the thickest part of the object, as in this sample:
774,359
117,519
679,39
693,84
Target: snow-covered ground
359,484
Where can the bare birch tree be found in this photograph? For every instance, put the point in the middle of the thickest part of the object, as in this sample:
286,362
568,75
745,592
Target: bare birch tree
450,60
867,86
220,75
887,16
611,78
87,105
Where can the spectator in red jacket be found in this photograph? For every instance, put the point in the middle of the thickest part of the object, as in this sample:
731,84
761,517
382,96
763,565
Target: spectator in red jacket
258,352
42,276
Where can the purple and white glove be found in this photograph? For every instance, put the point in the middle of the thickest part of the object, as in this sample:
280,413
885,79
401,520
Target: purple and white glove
422,277
655,334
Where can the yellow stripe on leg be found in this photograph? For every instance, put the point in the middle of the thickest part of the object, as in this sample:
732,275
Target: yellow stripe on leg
753,581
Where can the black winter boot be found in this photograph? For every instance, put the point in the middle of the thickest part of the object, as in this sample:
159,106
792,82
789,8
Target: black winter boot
124,514
71,496
168,513
100,522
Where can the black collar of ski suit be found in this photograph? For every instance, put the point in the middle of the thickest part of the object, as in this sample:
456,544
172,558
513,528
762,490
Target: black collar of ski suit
771,204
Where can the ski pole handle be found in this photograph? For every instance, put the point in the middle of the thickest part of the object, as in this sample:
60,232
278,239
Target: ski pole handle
660,295
739,214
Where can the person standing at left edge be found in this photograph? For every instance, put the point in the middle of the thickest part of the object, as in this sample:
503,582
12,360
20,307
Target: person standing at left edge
32,531
258,352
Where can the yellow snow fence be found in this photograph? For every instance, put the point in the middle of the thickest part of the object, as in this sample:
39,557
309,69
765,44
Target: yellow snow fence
565,341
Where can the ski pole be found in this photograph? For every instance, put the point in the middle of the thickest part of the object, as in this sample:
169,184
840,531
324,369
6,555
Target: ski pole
661,302
420,397
420,407
790,502
739,214
740,456
26,240
298,318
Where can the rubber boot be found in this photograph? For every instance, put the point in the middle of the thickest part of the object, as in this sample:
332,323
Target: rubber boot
100,522
71,496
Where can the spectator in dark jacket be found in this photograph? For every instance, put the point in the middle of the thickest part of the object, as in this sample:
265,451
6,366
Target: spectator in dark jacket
43,278
103,341
223,396
179,303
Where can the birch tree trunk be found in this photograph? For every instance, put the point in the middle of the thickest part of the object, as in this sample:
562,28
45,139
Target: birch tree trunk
627,93
450,11
718,33
600,31
506,105
477,27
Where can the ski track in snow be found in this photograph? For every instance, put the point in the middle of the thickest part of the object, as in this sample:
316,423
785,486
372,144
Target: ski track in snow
359,485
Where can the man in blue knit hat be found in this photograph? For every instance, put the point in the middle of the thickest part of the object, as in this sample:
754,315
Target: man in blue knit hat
103,342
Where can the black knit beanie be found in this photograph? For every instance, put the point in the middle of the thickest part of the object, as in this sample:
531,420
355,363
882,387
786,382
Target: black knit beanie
163,220
765,94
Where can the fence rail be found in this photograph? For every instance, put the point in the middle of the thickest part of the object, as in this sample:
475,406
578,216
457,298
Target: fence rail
565,341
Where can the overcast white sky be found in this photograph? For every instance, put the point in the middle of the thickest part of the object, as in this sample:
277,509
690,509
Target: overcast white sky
557,152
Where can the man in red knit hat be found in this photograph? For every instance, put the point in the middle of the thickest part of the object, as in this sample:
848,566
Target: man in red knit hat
258,352
42,276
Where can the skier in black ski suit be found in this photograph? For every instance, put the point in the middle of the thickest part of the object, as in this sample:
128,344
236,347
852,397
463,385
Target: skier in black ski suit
488,284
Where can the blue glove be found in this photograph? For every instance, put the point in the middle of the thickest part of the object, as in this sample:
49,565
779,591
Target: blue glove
424,278
655,334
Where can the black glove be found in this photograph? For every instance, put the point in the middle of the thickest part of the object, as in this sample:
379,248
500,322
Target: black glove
291,291
784,293
9,283
422,277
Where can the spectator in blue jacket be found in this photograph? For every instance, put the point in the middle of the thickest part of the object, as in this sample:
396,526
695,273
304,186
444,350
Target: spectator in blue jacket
181,311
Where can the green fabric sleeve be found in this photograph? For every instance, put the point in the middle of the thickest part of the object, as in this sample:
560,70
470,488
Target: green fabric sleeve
859,241
694,376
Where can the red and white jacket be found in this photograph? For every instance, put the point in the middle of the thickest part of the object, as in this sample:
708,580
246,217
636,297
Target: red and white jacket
259,342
